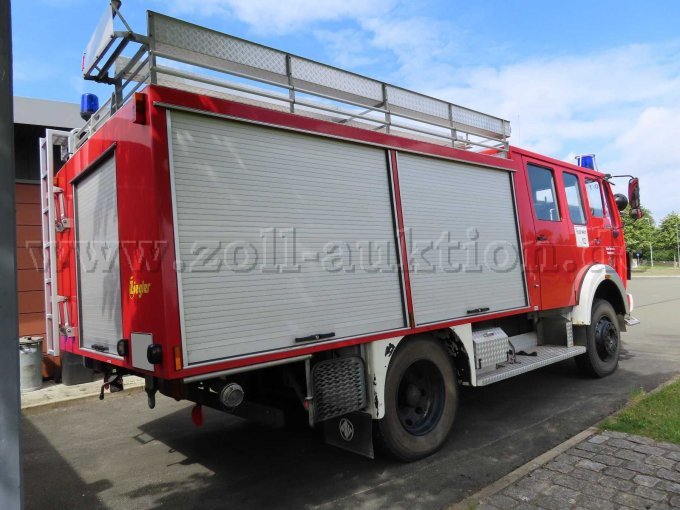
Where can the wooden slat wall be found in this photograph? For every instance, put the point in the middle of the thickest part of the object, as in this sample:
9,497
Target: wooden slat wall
29,268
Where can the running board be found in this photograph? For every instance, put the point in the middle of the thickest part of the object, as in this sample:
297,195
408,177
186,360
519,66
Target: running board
631,321
545,355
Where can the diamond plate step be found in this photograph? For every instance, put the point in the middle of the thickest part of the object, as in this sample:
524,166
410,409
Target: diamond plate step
631,321
546,355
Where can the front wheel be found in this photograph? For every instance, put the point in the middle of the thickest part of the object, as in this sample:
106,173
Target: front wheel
603,342
421,398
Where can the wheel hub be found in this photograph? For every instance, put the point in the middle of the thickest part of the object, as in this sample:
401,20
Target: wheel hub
413,395
606,338
420,398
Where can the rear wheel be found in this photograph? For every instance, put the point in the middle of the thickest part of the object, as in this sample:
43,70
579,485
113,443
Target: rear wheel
603,342
421,397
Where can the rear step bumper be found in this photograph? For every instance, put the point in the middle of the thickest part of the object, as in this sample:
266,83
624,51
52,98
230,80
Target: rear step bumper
545,355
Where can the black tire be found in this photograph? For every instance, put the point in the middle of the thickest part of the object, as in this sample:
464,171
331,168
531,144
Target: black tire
603,342
421,398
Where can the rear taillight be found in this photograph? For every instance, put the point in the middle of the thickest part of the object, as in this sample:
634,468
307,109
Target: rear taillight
123,347
154,354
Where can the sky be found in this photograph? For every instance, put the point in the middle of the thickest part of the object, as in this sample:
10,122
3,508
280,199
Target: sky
573,77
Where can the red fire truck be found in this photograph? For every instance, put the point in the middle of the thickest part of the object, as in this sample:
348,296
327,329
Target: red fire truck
246,228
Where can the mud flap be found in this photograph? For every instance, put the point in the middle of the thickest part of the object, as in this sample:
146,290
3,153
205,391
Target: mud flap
353,432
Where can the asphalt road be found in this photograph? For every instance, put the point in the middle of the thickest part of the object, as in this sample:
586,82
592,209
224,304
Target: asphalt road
120,454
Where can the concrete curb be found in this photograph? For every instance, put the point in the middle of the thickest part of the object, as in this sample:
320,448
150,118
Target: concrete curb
62,396
522,471
660,387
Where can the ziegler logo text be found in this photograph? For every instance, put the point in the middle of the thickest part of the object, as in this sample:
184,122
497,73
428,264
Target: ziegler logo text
138,289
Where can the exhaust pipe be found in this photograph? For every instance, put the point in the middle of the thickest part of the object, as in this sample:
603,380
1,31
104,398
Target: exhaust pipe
231,395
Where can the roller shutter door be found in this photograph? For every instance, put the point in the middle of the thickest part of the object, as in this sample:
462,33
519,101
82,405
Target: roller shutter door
268,227
463,246
99,293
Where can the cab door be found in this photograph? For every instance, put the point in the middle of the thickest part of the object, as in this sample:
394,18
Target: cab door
600,224
554,241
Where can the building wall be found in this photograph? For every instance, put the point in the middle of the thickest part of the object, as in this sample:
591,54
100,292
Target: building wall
26,155
30,268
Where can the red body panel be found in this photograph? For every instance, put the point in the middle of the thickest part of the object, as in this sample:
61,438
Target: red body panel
555,267
145,225
147,236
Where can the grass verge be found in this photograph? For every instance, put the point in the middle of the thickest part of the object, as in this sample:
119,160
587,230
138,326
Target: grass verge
655,415
656,270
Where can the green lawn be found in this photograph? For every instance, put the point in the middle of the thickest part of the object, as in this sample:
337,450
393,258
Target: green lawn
655,415
656,271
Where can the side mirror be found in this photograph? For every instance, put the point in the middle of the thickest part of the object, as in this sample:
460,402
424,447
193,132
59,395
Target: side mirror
634,193
621,201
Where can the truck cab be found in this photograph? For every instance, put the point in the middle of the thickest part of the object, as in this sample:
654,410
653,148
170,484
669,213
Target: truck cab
575,224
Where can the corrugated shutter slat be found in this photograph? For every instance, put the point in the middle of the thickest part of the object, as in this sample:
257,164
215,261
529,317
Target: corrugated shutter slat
473,205
98,261
231,181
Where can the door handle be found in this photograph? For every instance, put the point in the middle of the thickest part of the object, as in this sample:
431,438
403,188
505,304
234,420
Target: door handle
541,237
311,338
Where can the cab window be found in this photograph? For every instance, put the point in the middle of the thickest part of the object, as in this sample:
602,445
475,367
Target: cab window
543,193
595,198
574,199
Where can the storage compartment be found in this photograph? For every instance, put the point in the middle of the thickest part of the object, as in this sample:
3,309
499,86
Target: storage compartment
274,235
491,348
98,261
462,238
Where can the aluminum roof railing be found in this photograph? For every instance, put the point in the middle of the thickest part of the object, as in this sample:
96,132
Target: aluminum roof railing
183,55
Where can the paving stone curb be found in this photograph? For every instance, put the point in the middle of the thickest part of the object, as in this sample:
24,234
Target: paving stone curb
595,469
569,481
522,471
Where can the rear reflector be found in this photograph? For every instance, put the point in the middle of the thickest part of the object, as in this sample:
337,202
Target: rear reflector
178,358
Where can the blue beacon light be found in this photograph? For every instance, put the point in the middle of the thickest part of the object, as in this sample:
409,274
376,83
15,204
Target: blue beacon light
586,161
89,104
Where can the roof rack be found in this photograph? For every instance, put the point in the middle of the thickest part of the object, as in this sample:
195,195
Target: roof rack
187,56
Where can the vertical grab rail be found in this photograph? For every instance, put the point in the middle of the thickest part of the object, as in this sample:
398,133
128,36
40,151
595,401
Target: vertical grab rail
48,249
50,224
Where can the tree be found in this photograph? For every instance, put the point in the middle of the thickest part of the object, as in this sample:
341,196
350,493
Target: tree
667,236
639,233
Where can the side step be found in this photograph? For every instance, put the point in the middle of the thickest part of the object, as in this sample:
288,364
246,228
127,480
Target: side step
545,355
631,321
